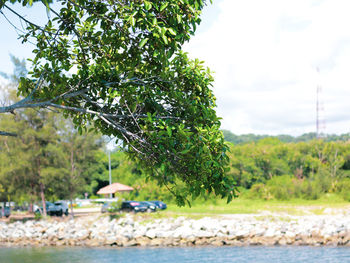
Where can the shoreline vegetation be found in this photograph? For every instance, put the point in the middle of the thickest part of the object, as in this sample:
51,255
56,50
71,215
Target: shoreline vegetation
268,169
291,223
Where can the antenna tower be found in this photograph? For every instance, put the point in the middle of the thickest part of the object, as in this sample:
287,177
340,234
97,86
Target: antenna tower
320,118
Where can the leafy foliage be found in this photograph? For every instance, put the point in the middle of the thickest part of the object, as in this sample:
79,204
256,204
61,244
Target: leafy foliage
272,169
46,154
119,66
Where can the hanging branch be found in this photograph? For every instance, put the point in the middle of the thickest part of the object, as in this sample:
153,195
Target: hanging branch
120,67
2,133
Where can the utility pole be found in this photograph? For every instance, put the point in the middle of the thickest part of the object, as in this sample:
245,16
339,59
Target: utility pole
320,119
318,89
110,172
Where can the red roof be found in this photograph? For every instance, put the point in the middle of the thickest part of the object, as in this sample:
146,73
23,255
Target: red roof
112,188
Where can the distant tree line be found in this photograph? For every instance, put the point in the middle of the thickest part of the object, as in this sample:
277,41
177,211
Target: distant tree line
247,138
271,169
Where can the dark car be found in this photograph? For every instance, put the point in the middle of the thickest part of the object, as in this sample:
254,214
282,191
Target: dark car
61,208
151,207
160,205
5,211
51,209
133,206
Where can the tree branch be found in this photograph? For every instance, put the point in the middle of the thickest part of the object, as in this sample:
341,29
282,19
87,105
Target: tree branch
2,133
27,21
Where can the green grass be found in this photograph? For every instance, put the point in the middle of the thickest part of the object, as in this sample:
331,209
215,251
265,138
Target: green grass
248,206
217,207
280,210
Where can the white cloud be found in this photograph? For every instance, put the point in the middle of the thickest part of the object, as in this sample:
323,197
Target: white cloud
265,54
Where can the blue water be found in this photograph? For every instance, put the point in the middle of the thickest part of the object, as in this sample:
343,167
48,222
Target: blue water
178,255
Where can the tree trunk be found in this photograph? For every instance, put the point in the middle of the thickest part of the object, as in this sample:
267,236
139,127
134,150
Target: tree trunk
31,209
71,178
334,170
42,194
71,207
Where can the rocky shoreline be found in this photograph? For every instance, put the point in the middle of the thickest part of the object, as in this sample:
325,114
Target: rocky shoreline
230,230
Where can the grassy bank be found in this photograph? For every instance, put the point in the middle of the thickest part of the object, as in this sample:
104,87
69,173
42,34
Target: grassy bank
327,204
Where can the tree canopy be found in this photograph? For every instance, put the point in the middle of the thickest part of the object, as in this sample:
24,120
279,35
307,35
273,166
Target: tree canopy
119,66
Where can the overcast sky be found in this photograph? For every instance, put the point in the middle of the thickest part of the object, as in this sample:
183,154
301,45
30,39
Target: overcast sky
265,56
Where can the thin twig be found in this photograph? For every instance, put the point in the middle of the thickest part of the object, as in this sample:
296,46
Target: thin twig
27,21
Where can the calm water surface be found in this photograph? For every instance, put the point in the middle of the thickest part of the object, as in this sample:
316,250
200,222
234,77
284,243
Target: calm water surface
170,255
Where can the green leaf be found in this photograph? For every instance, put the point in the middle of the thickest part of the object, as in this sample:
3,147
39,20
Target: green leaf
154,21
185,151
229,198
172,31
163,6
178,18
165,40
168,129
148,5
132,20
143,42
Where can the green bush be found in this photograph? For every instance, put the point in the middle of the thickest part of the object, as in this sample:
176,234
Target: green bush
281,187
115,206
287,187
323,181
38,216
343,189
316,186
310,190
258,191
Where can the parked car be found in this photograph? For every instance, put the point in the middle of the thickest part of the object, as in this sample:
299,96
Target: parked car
5,211
151,207
160,205
133,206
61,208
109,207
51,209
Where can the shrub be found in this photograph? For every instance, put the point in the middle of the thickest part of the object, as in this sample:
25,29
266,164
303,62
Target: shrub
343,188
309,191
258,191
281,187
316,186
